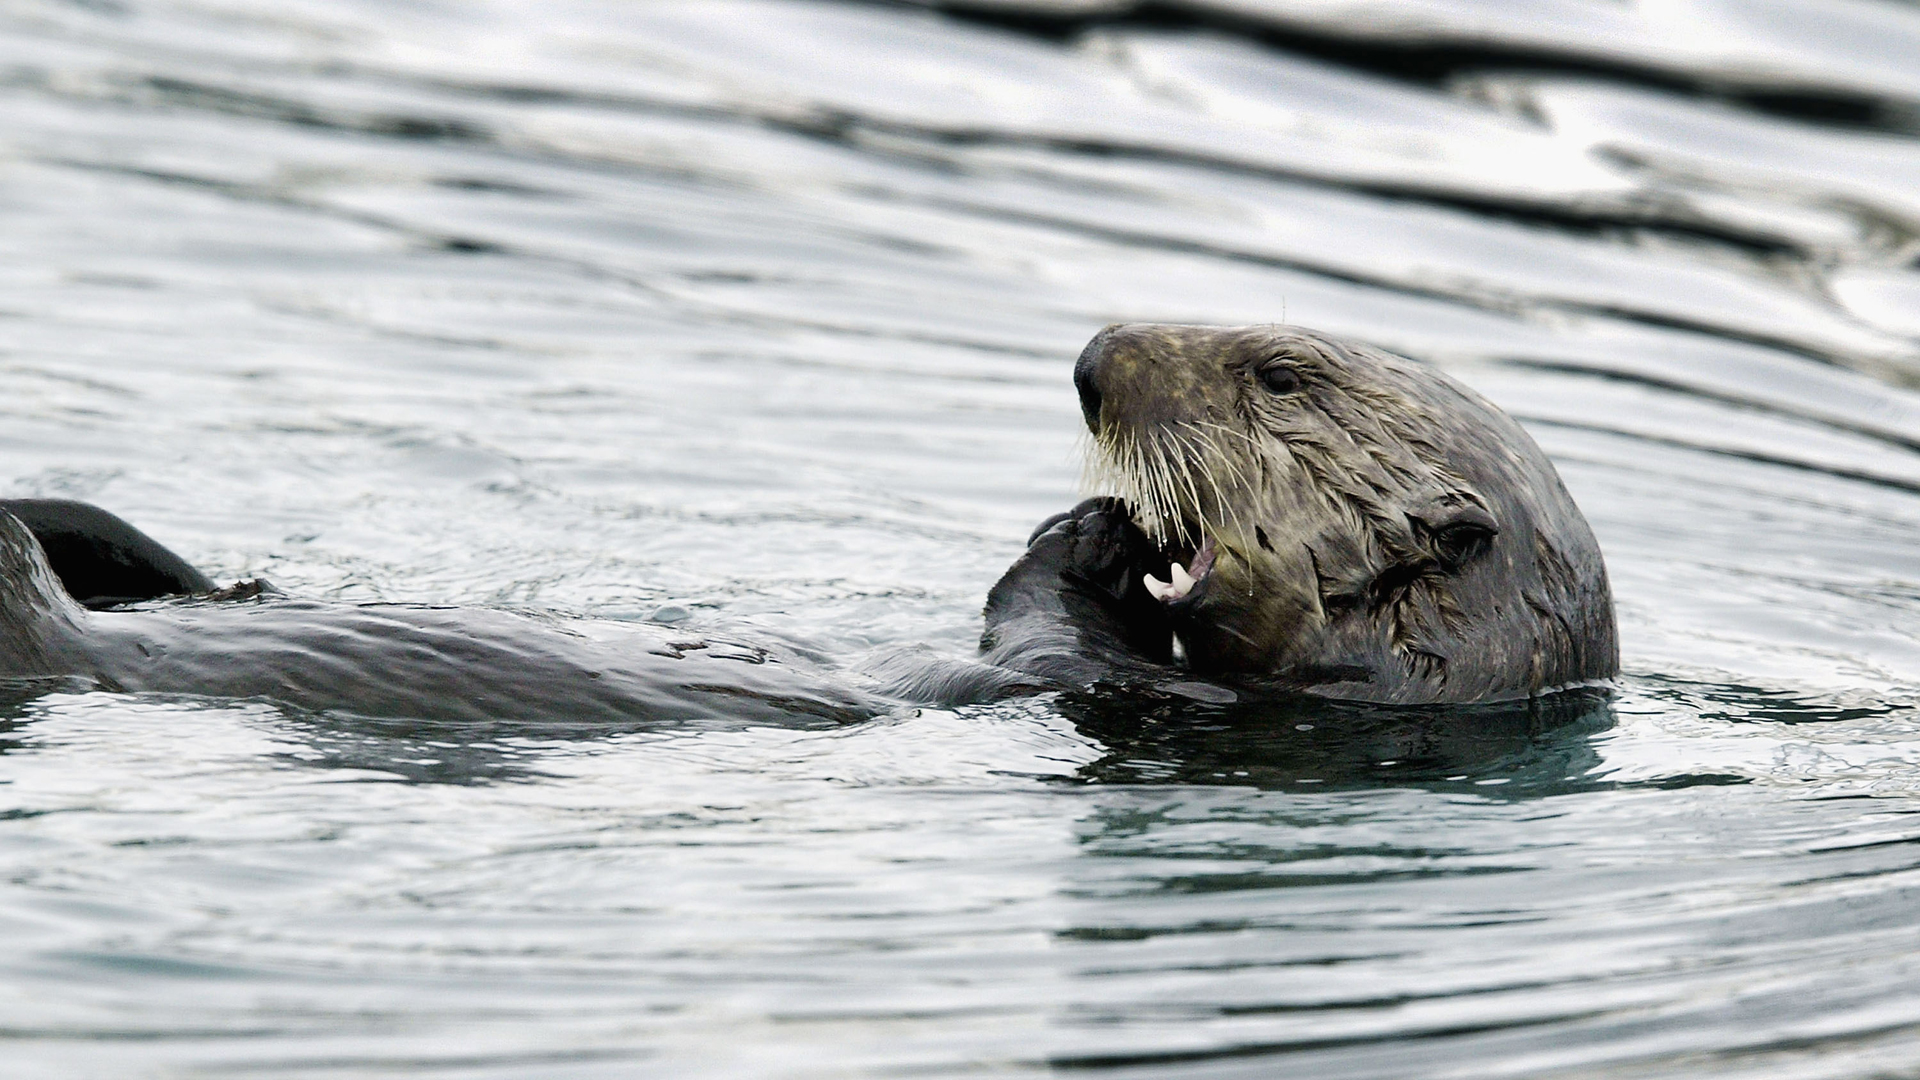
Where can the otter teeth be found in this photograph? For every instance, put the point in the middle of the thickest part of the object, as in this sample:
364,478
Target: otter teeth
1179,587
1182,580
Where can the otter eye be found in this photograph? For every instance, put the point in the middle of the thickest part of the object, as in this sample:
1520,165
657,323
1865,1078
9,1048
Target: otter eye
1280,379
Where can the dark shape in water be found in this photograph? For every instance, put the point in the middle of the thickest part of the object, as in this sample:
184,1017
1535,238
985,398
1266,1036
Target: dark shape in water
102,560
396,660
1511,749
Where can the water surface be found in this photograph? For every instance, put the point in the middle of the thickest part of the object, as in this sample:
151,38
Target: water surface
762,315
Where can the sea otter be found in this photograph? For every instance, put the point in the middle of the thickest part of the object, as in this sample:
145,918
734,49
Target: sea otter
1291,514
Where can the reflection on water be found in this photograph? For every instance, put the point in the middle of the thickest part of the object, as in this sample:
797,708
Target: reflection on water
1537,747
759,316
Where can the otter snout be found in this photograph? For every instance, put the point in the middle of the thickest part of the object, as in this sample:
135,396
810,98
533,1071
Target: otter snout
1142,376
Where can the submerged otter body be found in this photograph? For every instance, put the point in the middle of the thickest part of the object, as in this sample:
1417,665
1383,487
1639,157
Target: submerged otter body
1292,514
1297,512
455,665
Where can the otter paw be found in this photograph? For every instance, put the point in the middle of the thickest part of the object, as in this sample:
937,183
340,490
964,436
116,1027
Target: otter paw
1095,545
1075,600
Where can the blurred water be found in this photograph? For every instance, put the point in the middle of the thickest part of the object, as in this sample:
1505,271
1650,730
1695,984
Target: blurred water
766,311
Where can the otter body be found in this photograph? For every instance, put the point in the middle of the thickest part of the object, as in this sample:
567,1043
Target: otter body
1292,514
455,665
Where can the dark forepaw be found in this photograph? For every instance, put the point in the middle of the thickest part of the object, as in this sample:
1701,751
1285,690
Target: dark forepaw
1095,546
1082,573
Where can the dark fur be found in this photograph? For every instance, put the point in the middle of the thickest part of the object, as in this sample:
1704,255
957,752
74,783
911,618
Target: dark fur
460,665
100,559
1382,532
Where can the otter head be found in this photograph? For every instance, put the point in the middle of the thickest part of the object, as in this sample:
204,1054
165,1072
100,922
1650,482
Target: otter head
1343,519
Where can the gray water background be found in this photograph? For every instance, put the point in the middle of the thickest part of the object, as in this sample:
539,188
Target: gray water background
762,314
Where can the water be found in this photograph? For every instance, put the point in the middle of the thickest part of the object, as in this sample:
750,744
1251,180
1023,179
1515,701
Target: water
763,314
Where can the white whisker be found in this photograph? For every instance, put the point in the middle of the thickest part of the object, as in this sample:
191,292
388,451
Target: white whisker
1177,478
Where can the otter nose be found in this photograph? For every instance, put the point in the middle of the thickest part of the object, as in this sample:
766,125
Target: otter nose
1086,378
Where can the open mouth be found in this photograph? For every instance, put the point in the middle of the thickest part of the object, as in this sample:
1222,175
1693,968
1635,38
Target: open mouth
1188,570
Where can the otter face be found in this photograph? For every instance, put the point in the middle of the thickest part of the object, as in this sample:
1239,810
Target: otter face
1335,515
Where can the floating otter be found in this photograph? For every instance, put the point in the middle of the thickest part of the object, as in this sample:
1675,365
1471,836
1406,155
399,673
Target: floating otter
1298,512
1293,514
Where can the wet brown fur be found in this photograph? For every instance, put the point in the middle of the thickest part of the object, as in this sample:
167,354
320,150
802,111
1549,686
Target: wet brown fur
1376,520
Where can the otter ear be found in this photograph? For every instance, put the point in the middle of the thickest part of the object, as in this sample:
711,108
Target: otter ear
1457,532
